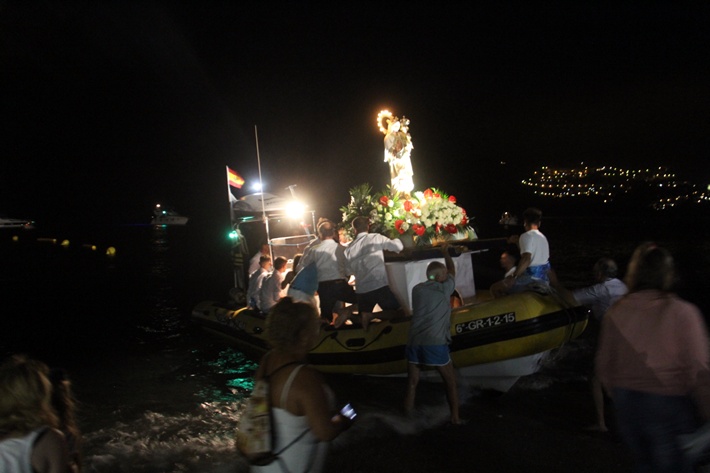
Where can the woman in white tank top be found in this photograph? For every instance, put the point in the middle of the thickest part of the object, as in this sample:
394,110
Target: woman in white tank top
29,439
302,403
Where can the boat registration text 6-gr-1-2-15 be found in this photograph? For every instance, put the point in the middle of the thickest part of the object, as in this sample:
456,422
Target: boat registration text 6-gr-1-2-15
487,322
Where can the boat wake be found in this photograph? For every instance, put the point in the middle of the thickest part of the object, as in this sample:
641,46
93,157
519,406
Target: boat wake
198,442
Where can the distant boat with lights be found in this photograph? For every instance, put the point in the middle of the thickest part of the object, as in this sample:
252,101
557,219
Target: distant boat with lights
495,341
16,223
508,219
167,216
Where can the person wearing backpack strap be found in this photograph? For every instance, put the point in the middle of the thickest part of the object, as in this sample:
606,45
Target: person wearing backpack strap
301,401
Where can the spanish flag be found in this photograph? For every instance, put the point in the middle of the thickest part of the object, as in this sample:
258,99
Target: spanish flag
234,179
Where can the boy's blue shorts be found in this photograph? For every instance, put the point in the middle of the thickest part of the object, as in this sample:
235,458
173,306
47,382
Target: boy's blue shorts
429,355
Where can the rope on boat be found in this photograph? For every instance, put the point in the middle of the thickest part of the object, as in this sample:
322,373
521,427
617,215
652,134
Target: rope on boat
568,310
334,336
291,244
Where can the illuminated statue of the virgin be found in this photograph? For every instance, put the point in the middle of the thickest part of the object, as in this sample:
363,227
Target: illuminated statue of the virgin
398,148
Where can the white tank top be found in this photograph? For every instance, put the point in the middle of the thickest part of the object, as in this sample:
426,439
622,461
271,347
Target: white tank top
16,453
307,454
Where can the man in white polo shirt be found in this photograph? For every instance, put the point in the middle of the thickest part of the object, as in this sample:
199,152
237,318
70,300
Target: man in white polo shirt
366,261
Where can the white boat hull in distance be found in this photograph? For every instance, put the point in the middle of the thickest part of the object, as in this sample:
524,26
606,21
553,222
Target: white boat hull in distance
169,220
167,216
16,223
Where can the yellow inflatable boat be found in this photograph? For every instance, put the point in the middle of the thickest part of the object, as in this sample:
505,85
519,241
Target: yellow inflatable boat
494,330
494,341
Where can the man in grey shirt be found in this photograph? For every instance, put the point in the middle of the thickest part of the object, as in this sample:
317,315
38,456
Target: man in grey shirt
600,297
605,292
430,332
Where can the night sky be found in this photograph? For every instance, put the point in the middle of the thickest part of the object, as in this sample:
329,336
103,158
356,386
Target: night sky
110,107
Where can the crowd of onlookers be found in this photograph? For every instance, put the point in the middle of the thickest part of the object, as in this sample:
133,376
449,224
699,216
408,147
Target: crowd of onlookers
652,356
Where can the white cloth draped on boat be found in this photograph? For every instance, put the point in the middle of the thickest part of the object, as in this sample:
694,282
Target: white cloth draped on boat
404,275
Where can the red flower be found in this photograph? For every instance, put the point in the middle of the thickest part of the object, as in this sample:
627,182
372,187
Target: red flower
451,228
384,200
464,220
418,229
437,195
398,226
452,199
408,205
428,194
437,228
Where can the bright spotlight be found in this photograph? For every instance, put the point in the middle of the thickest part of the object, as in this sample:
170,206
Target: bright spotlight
295,210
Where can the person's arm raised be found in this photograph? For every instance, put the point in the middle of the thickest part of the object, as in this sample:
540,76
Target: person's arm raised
450,266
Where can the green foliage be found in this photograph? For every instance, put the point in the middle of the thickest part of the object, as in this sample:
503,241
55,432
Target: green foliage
362,204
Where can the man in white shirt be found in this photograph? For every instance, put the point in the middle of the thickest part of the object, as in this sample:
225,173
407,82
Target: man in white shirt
329,257
254,261
255,281
366,261
271,292
534,264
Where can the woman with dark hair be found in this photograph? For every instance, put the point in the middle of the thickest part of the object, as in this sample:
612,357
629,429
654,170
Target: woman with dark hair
653,361
302,403
29,438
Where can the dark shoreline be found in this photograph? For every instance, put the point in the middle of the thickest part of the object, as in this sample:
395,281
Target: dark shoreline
522,431
537,426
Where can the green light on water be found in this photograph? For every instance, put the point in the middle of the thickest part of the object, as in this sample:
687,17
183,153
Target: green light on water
233,378
244,384
234,362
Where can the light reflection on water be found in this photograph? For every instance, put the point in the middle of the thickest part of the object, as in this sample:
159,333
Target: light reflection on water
191,406
239,370
172,405
198,441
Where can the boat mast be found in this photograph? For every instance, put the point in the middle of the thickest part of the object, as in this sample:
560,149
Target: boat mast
263,205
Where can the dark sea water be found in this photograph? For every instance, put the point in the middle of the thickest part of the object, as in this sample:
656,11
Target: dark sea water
159,395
